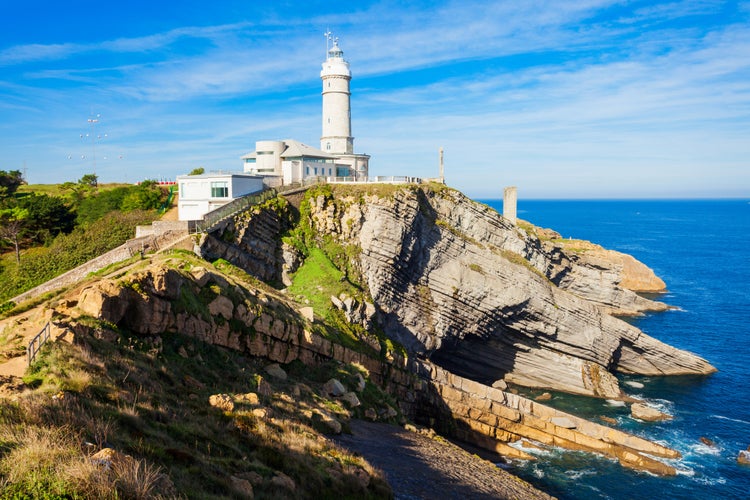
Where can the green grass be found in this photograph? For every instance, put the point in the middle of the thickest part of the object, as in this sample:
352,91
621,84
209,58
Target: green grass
317,280
152,404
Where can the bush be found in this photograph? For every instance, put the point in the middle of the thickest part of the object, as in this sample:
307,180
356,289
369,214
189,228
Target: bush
70,250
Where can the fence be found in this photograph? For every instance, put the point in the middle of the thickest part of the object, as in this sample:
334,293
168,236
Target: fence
37,343
213,217
234,206
381,179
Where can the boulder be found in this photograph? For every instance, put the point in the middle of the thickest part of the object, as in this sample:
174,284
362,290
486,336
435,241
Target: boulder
223,402
371,414
276,371
337,302
308,313
647,413
707,442
334,388
107,458
325,421
104,300
387,412
743,457
361,383
283,481
262,413
543,397
351,399
500,384
249,398
242,486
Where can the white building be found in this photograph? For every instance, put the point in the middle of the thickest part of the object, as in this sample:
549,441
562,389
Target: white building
293,161
200,194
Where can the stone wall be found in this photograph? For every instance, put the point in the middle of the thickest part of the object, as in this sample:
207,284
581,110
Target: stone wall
461,408
124,251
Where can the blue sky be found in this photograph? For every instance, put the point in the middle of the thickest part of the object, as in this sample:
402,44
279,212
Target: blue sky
564,99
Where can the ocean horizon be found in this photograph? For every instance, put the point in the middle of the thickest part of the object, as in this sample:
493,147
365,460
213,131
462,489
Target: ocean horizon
699,248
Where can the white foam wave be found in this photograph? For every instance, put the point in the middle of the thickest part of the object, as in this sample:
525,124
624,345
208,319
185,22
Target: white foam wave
685,471
636,385
577,474
710,481
614,402
537,471
704,449
722,417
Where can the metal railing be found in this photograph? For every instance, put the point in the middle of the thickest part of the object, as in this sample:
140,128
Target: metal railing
239,204
381,179
37,342
213,217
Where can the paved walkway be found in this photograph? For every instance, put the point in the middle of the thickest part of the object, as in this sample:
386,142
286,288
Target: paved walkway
418,467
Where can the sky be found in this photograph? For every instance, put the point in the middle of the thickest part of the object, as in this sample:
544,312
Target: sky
563,99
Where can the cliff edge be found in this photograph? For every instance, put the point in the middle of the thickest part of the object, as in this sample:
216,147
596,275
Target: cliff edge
453,281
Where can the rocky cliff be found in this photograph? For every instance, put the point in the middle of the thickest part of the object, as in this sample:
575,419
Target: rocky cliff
454,281
233,312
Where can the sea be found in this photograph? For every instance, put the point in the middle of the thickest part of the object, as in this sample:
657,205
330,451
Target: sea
701,249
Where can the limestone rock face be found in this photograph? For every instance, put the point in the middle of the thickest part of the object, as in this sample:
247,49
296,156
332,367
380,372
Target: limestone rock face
453,280
251,240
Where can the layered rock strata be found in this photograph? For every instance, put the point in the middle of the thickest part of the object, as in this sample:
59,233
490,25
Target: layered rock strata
244,318
453,280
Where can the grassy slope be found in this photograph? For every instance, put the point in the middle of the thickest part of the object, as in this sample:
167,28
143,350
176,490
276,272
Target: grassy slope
148,398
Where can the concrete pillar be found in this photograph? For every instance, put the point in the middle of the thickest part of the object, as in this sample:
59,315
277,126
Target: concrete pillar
510,200
442,170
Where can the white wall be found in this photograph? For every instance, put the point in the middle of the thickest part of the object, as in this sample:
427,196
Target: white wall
240,186
195,193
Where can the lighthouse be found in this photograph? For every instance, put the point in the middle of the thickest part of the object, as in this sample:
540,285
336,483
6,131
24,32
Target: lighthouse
337,118
290,161
336,138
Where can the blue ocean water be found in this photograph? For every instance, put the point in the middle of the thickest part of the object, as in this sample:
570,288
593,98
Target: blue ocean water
701,249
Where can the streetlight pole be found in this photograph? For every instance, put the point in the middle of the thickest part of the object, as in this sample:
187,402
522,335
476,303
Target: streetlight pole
92,123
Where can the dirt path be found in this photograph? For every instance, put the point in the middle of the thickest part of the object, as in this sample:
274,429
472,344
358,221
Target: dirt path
418,467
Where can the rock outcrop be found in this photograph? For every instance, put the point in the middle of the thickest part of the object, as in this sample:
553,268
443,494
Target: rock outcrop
455,281
266,325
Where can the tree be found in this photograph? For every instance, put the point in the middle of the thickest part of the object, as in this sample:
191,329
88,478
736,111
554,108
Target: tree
90,180
145,196
9,182
47,216
197,171
12,227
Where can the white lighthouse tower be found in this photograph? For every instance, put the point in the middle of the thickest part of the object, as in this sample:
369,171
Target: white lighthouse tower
337,117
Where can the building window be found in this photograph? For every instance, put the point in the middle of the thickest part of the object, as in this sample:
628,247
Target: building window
220,189
316,170
328,146
307,170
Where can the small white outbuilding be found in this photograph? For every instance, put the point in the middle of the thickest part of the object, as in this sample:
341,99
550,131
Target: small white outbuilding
200,194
